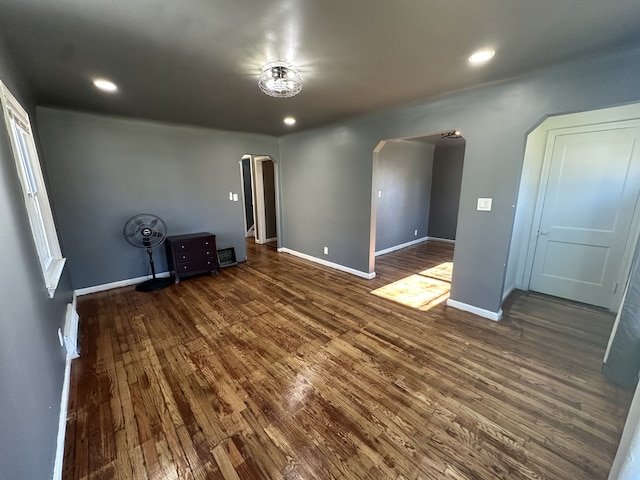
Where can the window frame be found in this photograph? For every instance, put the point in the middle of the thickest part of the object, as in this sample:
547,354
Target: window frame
34,191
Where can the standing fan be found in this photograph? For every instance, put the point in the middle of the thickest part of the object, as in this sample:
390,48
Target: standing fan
147,231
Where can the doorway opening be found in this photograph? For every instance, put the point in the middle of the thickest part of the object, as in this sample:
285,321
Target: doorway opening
578,220
260,195
415,202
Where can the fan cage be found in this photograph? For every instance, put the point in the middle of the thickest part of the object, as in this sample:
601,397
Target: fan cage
145,231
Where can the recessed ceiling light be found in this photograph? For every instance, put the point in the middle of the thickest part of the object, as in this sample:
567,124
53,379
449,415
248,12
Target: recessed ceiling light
290,121
481,56
105,85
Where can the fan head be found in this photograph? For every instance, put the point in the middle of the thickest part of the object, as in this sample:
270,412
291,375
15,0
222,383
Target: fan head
145,230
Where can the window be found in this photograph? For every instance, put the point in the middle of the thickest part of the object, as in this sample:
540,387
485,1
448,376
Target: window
33,189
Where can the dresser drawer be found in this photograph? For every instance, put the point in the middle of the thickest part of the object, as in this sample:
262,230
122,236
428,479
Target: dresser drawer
189,255
193,244
195,266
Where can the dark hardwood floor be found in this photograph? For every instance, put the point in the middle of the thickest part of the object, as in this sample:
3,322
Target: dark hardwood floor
278,368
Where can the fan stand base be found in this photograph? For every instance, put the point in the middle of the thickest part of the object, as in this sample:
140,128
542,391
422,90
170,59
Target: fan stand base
154,284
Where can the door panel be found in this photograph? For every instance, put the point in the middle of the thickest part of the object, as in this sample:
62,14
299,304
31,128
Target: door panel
590,198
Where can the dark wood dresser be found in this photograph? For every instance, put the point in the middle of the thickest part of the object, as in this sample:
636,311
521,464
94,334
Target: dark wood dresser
191,254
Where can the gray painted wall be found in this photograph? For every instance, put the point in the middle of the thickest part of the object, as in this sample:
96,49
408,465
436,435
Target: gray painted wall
31,360
402,171
326,173
105,169
445,190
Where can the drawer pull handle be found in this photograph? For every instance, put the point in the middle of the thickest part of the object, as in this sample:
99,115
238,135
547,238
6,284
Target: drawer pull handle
182,246
184,268
206,243
184,256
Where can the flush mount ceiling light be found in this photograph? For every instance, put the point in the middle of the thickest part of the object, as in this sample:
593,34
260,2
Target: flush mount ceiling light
105,85
451,134
279,79
482,56
290,121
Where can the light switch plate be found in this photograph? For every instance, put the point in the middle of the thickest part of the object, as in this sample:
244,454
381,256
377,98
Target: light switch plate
235,197
484,204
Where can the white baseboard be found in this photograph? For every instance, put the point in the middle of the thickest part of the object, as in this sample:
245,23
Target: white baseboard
443,240
268,240
335,266
118,284
481,312
404,245
508,292
62,423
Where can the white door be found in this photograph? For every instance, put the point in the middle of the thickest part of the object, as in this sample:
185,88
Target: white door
592,184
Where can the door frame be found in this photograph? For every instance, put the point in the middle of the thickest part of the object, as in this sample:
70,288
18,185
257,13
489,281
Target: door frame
533,186
257,186
247,232
436,137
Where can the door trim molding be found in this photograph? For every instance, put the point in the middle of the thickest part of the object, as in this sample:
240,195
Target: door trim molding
247,228
258,197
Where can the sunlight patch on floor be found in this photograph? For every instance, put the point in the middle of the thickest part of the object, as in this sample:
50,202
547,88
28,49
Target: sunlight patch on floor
423,290
441,272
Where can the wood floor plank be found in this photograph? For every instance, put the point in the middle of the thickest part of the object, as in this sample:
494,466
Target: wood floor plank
279,368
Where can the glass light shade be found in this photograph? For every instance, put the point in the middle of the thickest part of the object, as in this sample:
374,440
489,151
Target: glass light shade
279,79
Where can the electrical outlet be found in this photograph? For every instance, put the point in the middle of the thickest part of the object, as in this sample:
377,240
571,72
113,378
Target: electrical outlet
235,197
326,250
379,193
415,233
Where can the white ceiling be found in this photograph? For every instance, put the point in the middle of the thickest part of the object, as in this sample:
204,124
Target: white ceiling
197,61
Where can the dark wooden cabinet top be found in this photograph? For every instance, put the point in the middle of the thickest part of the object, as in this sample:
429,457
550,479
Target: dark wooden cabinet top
188,236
